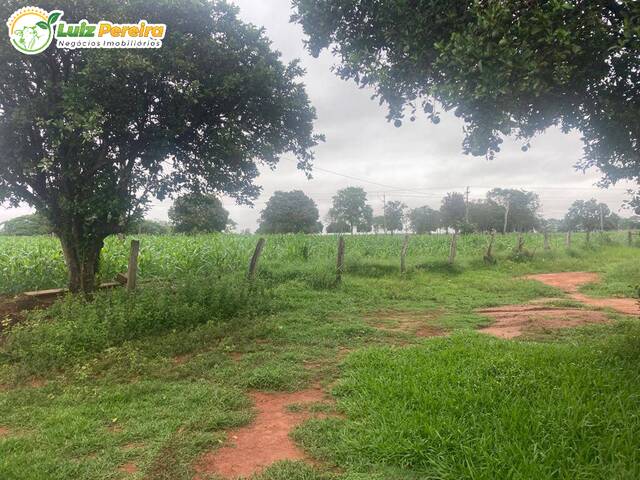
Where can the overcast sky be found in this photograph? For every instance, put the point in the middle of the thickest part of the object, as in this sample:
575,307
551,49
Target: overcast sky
416,163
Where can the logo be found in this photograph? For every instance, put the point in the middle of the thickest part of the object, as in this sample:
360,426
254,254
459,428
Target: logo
32,29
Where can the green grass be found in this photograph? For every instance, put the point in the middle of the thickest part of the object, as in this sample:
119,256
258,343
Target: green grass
474,407
156,378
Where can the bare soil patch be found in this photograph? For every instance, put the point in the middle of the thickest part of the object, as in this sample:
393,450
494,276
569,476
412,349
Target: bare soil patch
515,320
566,281
570,281
236,356
129,468
414,323
132,446
4,432
263,442
13,308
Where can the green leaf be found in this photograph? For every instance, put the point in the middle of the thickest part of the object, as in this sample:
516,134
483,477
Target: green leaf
53,18
43,25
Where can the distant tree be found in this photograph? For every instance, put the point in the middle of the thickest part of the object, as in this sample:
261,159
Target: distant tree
350,207
453,211
26,225
631,223
486,216
424,220
394,215
505,67
339,227
379,224
89,136
198,213
520,208
552,225
589,216
290,212
149,227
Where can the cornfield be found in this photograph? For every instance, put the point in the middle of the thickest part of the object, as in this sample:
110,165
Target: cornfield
32,263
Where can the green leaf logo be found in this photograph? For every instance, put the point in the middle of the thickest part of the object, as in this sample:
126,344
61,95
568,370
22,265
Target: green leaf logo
53,17
43,25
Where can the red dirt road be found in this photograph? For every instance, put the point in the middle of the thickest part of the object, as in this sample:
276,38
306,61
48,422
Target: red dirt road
514,320
570,281
263,442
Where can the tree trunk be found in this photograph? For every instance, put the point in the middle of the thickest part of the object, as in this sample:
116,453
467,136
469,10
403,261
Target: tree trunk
82,258
506,217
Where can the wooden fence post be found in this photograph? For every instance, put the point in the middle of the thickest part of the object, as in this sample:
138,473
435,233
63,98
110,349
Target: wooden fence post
588,242
488,257
546,241
454,248
630,238
403,254
253,265
132,270
568,241
340,260
520,245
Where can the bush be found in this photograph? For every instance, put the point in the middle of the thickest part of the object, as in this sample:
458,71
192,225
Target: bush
75,328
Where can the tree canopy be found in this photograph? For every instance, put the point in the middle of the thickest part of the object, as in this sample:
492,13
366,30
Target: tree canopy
290,212
453,211
424,220
89,136
350,208
198,213
394,215
590,215
26,225
520,208
508,67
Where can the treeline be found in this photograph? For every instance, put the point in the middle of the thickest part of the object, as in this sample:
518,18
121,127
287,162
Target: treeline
502,210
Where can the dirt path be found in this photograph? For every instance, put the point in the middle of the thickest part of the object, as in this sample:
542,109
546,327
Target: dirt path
514,320
264,441
569,283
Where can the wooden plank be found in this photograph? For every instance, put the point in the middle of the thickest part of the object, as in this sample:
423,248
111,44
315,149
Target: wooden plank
53,292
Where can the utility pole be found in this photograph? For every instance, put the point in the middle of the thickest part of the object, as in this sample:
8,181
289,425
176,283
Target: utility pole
466,207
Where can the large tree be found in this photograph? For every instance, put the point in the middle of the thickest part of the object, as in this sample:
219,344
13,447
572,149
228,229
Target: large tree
290,212
509,67
590,215
453,211
88,136
198,213
520,208
486,216
424,220
394,215
350,208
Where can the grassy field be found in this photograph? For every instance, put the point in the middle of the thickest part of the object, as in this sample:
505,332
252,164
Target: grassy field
157,377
